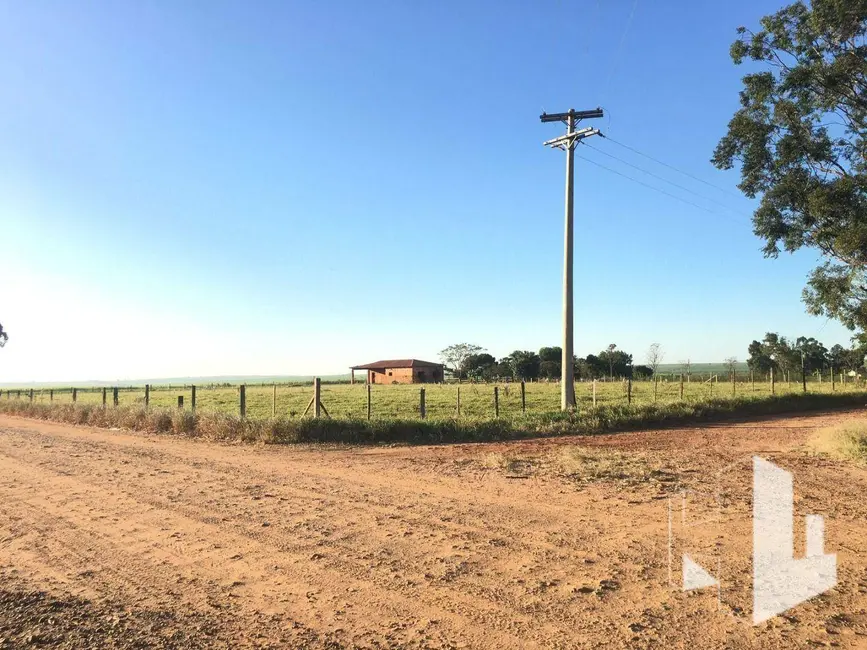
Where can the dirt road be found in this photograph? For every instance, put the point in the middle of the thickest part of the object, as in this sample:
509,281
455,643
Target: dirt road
146,541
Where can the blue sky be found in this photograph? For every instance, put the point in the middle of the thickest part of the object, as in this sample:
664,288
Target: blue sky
201,188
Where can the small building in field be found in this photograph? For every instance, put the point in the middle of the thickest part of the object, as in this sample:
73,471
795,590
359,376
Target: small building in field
401,371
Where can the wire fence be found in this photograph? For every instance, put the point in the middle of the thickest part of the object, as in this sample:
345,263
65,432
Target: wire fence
445,400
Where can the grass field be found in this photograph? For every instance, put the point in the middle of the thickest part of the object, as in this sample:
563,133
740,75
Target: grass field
402,401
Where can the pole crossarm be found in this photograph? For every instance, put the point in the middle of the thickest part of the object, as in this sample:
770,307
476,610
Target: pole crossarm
569,140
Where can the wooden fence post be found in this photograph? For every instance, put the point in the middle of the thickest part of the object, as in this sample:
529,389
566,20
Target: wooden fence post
594,393
496,401
458,411
243,401
655,387
833,388
51,395
74,395
103,396
274,403
114,396
421,406
180,402
193,399
681,386
773,386
317,396
147,395
523,398
31,395
368,400
733,383
629,391
753,380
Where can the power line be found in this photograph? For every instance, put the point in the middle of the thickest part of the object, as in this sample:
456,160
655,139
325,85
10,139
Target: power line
665,164
616,59
665,180
655,189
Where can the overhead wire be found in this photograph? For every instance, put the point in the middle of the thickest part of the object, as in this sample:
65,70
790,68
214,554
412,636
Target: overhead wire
670,166
665,180
619,52
647,185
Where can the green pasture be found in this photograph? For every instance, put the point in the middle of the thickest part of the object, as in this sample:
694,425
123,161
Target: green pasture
441,400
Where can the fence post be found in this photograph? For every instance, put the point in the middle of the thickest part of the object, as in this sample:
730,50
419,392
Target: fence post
733,383
833,388
629,391
655,387
180,402
681,386
753,380
74,395
103,397
51,395
193,399
114,396
368,400
317,395
31,395
524,398
496,401
147,395
594,393
274,403
421,405
458,412
773,387
243,401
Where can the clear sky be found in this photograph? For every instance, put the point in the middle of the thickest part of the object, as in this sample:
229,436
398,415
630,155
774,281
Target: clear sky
224,188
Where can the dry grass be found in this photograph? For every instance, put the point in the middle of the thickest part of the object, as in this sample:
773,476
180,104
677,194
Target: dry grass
847,441
584,465
215,425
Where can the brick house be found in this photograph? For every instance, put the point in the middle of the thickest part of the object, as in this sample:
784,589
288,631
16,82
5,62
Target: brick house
401,371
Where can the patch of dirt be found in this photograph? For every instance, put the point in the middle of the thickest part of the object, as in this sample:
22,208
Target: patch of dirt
120,540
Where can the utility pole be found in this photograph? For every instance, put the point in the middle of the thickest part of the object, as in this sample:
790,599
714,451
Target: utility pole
568,143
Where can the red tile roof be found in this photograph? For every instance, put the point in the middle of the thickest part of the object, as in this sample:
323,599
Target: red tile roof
397,363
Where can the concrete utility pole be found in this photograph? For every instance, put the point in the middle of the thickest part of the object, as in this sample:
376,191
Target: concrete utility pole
568,143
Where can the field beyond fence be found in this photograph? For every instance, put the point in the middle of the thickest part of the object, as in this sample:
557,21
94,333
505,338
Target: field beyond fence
428,412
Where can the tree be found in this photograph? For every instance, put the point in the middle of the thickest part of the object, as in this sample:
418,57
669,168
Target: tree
592,367
608,355
760,360
525,364
455,356
814,354
552,362
655,354
476,366
687,364
642,372
3,336
800,137
731,365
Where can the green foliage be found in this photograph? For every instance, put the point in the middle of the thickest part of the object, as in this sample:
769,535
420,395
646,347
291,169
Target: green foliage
800,138
455,356
526,365
642,372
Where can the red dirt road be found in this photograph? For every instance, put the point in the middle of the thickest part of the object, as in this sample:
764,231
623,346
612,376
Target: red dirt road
536,544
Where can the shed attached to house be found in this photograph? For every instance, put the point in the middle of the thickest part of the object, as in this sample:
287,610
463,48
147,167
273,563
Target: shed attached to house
401,371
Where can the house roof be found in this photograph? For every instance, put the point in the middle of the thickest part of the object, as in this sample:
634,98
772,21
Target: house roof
397,363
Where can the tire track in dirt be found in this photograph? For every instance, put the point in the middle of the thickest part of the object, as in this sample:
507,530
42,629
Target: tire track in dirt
406,547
